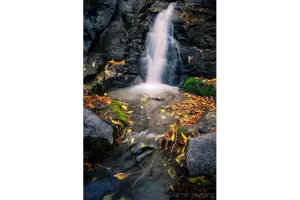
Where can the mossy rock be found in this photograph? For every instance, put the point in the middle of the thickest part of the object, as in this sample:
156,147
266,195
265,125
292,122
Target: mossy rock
199,87
116,107
97,148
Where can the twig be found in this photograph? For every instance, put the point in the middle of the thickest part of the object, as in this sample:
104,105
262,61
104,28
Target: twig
146,170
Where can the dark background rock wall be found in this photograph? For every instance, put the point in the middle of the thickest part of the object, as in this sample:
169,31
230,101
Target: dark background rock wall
117,30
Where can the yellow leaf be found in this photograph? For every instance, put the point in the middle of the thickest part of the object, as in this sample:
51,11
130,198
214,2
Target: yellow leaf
143,99
183,136
84,69
105,94
182,151
108,73
186,116
165,164
173,137
129,112
142,145
202,178
142,106
193,180
108,196
163,117
120,176
124,107
171,187
172,172
125,140
132,140
162,110
93,179
177,160
129,130
94,64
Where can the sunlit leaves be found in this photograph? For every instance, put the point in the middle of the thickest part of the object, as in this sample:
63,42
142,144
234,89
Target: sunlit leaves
172,172
124,107
173,137
120,176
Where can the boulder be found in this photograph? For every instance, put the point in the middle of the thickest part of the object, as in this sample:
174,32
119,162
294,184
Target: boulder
112,42
92,65
96,127
207,122
201,155
97,15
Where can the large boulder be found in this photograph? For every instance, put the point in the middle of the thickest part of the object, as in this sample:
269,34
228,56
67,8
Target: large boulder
92,65
97,15
112,42
96,127
201,155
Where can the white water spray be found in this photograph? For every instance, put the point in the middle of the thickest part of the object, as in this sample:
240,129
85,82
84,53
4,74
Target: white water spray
158,45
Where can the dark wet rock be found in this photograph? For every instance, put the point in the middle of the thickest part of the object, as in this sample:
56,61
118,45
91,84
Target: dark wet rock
97,15
112,42
207,122
92,65
96,127
209,3
201,155
105,184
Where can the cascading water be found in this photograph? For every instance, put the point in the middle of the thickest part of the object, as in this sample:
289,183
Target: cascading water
157,45
162,58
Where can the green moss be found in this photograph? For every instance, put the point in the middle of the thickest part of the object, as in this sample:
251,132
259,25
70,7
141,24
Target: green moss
116,107
198,87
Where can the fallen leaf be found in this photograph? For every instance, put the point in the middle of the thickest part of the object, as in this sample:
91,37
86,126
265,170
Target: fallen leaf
163,117
129,130
162,110
124,107
171,187
125,140
173,137
172,172
132,140
143,99
108,73
142,106
183,136
129,112
108,196
94,64
120,176
93,179
193,180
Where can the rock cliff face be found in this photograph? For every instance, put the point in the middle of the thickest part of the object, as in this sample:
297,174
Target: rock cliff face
117,30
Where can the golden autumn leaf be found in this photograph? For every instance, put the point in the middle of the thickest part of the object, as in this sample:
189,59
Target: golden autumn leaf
171,187
172,172
132,140
124,107
120,176
162,110
173,137
129,112
129,130
183,136
108,73
163,117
